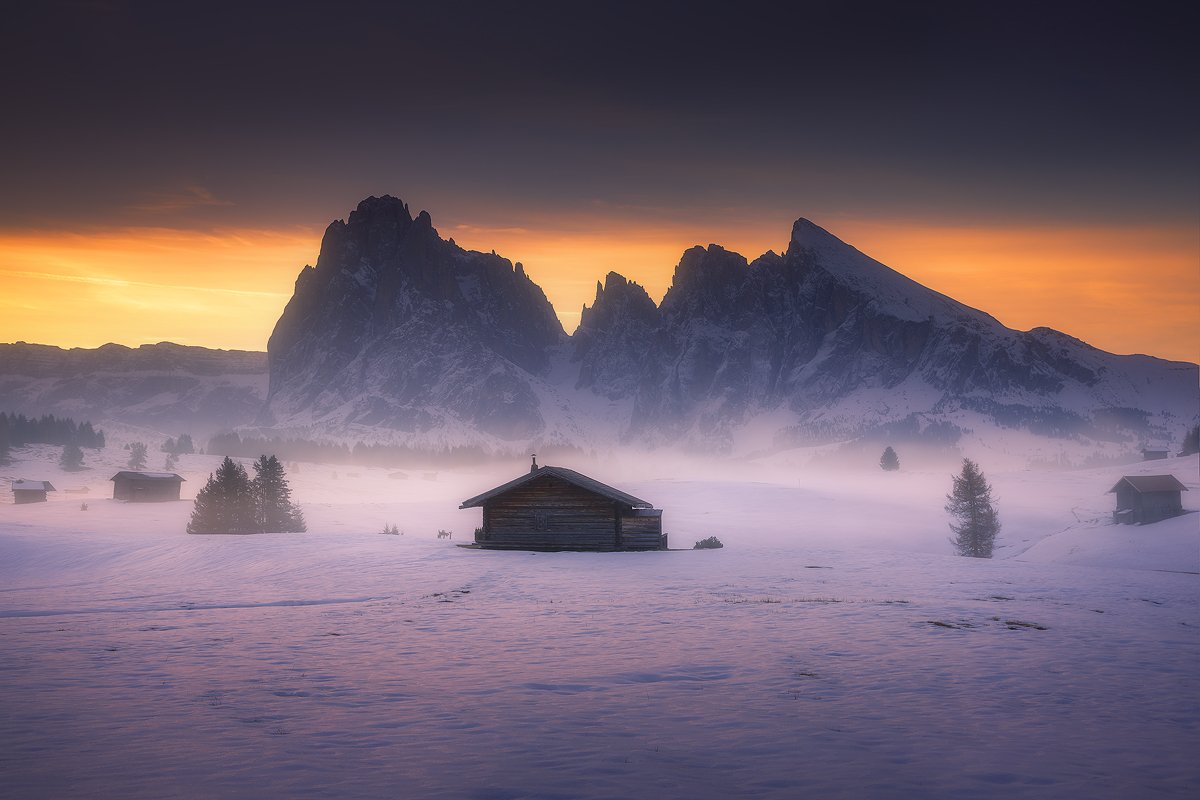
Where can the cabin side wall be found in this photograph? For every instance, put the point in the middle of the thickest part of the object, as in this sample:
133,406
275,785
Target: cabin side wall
550,513
1161,505
1126,496
146,491
642,533
28,496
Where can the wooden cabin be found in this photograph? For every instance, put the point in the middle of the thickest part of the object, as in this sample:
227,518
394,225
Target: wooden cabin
31,491
1147,498
554,508
146,487
1154,453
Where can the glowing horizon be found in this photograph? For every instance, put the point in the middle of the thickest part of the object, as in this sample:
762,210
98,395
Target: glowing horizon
1126,289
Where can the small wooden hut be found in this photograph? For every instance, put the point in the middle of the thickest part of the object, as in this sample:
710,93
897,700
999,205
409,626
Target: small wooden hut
554,508
31,491
1147,498
1154,453
146,487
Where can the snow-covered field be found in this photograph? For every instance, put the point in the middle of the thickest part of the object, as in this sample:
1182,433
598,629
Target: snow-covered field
834,648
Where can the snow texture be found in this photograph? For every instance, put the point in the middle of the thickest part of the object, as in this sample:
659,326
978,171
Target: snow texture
833,648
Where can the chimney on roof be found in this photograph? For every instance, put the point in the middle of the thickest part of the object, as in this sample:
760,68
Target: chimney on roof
534,468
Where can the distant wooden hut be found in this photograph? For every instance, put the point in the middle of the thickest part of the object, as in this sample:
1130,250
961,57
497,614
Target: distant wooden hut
1154,453
1147,498
146,487
31,491
554,508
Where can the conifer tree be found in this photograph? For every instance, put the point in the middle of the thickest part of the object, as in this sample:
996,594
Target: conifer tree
4,440
1191,442
889,461
275,511
137,455
72,458
226,503
975,524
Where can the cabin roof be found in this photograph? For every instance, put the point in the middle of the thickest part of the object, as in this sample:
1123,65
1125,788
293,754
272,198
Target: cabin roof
146,476
23,485
1151,483
568,475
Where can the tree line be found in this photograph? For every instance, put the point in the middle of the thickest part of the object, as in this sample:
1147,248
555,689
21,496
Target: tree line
18,430
361,454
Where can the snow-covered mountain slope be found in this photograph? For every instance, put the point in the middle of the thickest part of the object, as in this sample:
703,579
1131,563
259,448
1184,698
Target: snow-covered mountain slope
164,386
399,330
824,343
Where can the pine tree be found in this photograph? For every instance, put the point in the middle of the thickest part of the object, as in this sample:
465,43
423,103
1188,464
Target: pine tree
4,440
975,523
137,455
275,511
72,458
1191,442
889,461
170,463
226,503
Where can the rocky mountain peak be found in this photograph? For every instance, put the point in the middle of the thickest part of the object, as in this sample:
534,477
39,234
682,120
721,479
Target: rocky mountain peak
398,329
395,321
381,208
618,297
613,335
706,283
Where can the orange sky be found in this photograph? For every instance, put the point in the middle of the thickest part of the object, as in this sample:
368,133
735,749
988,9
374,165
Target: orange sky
1123,289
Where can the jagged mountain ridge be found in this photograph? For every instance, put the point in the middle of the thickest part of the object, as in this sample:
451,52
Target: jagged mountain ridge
399,332
399,336
843,344
397,328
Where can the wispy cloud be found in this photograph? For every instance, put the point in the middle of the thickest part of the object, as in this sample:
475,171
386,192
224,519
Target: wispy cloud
483,229
95,280
180,200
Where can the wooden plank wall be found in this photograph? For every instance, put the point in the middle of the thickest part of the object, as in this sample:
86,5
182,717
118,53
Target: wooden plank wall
550,513
146,491
642,533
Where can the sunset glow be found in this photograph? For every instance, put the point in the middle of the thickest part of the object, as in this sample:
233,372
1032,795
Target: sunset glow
1122,289
222,289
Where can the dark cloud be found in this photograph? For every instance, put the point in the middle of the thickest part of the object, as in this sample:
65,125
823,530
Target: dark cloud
293,111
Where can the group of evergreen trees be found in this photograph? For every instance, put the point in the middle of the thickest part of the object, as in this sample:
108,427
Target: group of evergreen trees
232,502
1191,442
137,455
174,448
18,430
361,454
71,459
179,447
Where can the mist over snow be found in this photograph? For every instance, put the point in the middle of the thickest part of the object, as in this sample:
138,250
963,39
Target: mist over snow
833,647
